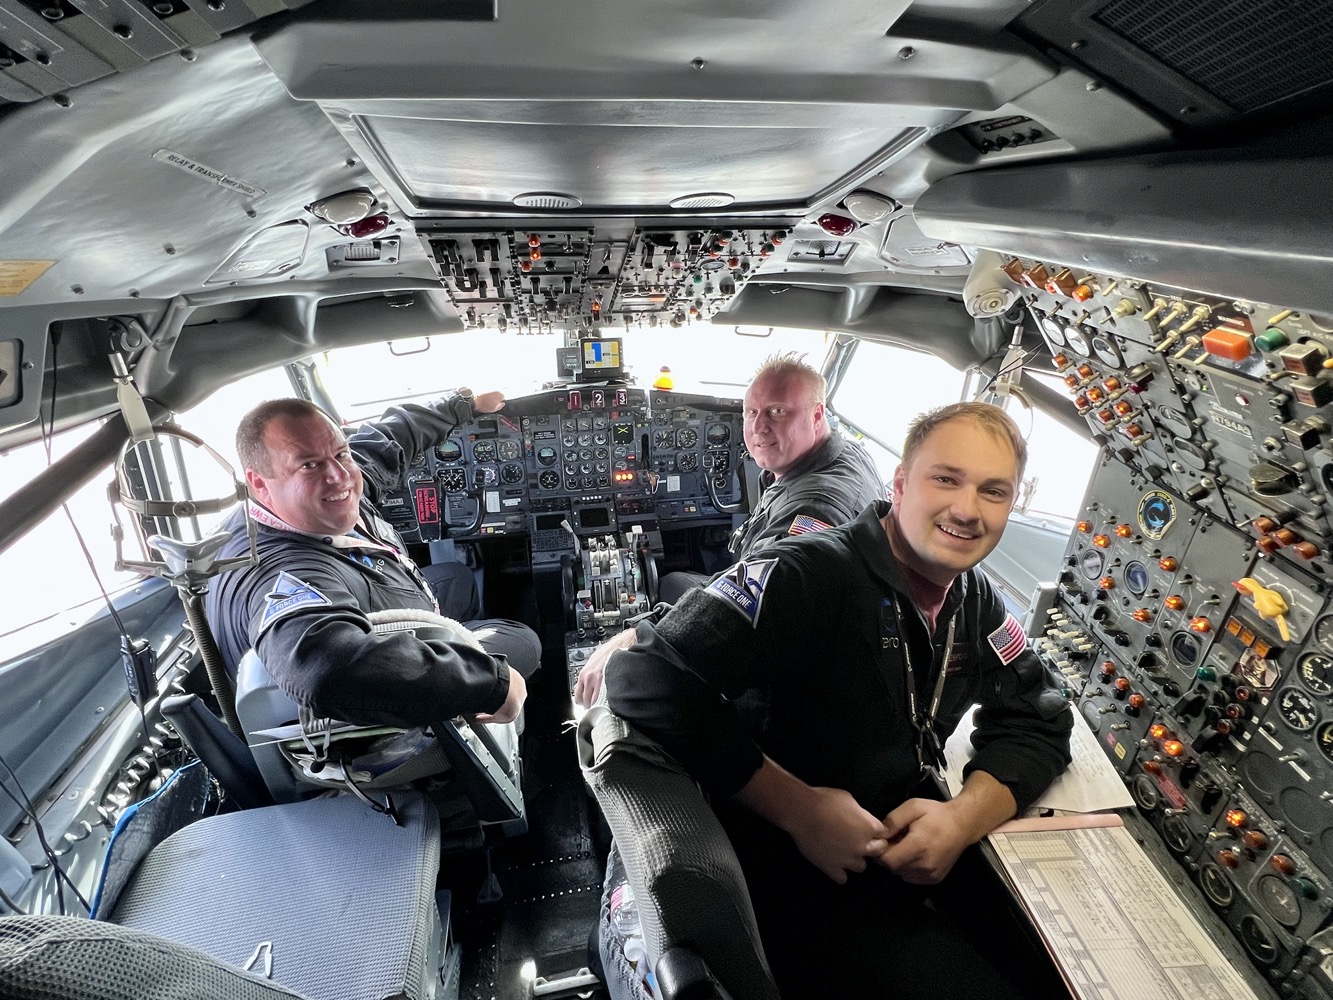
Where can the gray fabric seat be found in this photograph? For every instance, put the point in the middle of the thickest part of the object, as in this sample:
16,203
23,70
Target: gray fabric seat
340,897
70,958
679,862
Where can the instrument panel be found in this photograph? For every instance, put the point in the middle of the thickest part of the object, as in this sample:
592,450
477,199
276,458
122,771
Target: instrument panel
584,456
1193,620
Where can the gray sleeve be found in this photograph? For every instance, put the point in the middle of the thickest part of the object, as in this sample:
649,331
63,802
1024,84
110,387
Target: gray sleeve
387,447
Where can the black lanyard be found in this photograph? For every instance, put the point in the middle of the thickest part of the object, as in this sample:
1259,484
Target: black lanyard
929,749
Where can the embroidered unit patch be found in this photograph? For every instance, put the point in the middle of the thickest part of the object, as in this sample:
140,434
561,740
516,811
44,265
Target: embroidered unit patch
805,523
742,587
1008,640
287,596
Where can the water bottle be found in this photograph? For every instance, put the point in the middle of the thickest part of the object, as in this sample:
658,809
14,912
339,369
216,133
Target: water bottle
629,931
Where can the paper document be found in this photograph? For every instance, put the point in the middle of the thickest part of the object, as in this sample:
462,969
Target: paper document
1114,925
1089,784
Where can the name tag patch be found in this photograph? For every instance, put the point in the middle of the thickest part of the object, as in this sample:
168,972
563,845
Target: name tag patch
289,595
742,587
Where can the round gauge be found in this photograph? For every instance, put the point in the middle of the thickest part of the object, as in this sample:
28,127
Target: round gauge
1185,648
599,439
601,454
1077,340
1107,352
1216,886
687,461
585,423
1136,578
488,474
1054,331
1091,562
1279,899
718,434
1176,833
1256,936
511,474
508,450
687,437
585,440
449,451
601,423
1297,709
568,440
1145,792
484,451
546,455
548,479
1316,672
569,424
1323,738
713,264
664,439
1323,632
453,480
1174,421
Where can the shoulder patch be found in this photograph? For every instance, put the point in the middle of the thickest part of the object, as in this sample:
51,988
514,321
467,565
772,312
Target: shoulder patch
742,587
805,523
287,596
1008,640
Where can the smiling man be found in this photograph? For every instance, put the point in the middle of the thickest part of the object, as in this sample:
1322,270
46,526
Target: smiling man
810,689
327,560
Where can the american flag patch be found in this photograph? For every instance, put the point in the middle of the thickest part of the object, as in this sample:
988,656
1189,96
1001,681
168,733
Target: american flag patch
805,523
1008,640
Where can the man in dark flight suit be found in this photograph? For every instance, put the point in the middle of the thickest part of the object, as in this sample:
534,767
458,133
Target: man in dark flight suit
327,559
809,689
812,479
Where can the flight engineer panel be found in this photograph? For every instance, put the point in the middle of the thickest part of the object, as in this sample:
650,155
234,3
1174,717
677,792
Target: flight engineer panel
586,456
1193,621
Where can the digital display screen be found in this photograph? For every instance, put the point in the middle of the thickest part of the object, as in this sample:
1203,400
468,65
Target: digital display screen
601,356
549,522
595,517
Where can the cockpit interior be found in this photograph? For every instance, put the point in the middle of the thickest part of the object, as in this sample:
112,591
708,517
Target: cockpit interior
1112,217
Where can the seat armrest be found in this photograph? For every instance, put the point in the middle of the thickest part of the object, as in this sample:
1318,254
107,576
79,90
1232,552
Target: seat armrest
683,975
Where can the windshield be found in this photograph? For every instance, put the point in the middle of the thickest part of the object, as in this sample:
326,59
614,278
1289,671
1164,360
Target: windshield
709,360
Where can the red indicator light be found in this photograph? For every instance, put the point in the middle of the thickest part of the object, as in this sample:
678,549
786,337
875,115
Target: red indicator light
1124,530
1085,371
1173,748
1108,668
1061,362
1112,384
1123,408
535,253
1106,582
1082,402
1136,701
1122,684
1174,603
1228,859
1237,818
368,227
1282,864
836,225
1081,292
1072,380
1141,615
525,266
1255,840
1096,395
1168,564
1158,731
1084,526
1101,541
1264,525
1152,767
1200,625
1133,431
534,240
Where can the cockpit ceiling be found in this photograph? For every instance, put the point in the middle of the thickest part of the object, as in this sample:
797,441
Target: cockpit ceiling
627,167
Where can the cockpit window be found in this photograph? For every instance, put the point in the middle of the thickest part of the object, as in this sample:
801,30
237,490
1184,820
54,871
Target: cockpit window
711,360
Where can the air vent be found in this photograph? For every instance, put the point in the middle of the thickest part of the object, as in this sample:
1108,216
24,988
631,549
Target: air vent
707,199
1249,55
547,199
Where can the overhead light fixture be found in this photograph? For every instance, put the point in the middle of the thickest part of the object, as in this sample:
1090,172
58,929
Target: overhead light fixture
867,206
547,199
706,199
366,228
346,208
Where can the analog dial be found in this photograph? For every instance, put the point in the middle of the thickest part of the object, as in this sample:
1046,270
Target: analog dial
546,455
1323,632
484,451
687,437
1091,562
1216,885
1316,672
1298,709
548,480
1136,577
1279,899
1185,648
664,439
511,474
687,461
508,450
449,451
718,434
453,480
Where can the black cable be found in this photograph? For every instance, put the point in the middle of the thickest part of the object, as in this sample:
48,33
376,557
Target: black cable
9,902
31,812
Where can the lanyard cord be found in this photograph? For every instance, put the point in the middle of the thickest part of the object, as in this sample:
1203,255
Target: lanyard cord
925,726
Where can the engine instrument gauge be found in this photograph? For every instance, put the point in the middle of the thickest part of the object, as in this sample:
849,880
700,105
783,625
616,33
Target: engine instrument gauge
1216,886
511,474
1077,340
1279,899
1323,632
453,480
484,451
1185,648
489,475
508,450
687,437
1136,578
1176,833
449,451
1145,792
1323,738
1091,562
664,439
1316,672
687,461
1256,936
718,434
1298,709
548,480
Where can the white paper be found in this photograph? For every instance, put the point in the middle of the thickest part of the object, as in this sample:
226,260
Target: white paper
1089,784
1114,925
